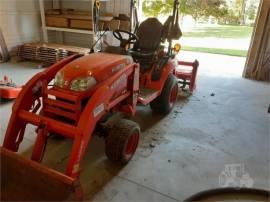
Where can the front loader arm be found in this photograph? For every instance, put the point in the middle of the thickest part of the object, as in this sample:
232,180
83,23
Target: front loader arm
102,101
31,92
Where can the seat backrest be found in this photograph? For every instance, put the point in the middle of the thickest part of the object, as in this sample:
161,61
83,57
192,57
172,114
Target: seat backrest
149,34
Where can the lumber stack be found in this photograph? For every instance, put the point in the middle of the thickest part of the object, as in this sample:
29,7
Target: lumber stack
48,53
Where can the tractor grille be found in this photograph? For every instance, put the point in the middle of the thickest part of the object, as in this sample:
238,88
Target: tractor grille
62,105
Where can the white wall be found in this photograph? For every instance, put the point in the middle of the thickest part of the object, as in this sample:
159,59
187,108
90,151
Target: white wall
20,21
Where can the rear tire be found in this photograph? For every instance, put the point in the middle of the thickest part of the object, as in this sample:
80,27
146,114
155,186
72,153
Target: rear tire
165,102
122,141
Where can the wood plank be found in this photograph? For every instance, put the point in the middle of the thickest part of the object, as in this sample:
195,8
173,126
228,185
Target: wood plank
4,55
70,30
43,21
259,45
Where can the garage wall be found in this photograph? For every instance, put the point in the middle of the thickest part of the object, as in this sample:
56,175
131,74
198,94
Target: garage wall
20,21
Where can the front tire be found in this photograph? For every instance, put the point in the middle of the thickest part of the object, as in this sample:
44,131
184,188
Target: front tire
122,141
165,102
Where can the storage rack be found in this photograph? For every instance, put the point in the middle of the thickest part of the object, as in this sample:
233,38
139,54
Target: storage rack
46,28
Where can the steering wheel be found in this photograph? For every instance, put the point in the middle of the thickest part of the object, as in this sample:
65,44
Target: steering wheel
132,38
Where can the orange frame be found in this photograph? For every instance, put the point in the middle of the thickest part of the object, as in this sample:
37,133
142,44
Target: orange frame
102,101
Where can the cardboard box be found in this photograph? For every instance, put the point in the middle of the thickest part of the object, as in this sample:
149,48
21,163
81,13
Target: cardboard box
124,25
56,21
112,25
81,24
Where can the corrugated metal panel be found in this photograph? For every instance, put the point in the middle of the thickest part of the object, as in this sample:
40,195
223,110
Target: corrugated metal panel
52,37
82,40
20,22
75,39
77,5
72,39
117,7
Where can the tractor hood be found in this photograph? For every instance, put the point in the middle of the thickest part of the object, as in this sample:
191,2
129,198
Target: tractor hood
95,67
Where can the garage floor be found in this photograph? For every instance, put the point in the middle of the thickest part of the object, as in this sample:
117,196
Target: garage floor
184,152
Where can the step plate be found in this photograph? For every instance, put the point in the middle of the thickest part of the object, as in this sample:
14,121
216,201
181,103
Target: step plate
147,95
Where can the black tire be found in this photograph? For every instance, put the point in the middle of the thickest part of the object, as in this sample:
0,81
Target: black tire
226,193
162,103
116,143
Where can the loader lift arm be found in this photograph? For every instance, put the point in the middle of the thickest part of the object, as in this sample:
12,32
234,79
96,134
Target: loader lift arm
35,101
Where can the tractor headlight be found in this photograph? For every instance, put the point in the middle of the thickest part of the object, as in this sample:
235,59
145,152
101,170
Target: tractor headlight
83,84
59,80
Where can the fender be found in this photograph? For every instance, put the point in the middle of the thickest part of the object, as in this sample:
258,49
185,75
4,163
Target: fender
100,103
168,69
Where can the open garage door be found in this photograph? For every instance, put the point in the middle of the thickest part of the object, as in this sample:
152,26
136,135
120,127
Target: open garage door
258,60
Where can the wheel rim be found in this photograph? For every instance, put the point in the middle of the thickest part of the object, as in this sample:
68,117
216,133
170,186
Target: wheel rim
132,145
173,96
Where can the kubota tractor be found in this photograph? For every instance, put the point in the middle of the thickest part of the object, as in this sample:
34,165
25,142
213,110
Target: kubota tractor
80,95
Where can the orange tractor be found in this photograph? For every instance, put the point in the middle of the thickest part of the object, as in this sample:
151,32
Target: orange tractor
81,95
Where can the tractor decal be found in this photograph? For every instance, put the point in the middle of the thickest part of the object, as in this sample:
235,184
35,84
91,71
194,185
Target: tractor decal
120,82
118,67
98,110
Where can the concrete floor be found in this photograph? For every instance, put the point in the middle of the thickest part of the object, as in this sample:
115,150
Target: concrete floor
184,152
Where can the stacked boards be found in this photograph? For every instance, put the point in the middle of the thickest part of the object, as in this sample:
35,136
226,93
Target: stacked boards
47,52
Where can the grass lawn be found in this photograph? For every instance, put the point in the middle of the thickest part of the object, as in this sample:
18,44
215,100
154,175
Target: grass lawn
232,52
219,32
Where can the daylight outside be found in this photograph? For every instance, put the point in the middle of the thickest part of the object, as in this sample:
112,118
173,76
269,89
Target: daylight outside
212,26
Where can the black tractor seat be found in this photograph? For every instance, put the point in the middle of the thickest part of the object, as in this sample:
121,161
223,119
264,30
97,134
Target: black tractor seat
147,47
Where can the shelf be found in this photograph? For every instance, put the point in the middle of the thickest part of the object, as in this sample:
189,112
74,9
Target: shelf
81,31
46,28
82,17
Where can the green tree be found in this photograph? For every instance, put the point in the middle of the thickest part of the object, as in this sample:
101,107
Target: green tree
240,10
251,12
206,8
195,8
158,7
153,8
